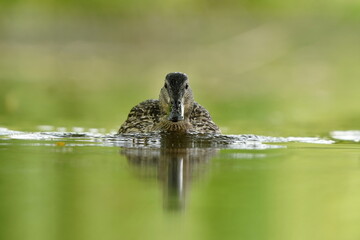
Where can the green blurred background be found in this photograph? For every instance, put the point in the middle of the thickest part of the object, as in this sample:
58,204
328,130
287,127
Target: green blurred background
270,67
264,67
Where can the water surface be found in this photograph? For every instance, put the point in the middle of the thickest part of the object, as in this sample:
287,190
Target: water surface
94,185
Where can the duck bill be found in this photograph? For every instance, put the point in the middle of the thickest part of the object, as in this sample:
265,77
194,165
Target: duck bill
177,112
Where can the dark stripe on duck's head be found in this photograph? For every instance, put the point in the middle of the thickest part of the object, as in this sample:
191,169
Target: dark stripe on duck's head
176,79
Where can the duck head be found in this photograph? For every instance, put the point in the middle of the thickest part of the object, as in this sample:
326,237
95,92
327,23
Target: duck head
176,98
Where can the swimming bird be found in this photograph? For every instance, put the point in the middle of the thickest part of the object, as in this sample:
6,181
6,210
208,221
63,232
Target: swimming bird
174,111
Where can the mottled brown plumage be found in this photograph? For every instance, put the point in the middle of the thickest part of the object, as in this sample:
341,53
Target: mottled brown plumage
175,111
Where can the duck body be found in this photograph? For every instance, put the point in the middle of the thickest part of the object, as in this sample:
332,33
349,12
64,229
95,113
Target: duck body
175,111
147,117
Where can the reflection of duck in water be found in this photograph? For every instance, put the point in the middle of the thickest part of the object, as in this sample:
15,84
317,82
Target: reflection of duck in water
175,167
175,111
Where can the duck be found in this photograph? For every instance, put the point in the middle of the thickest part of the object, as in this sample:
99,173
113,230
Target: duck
174,112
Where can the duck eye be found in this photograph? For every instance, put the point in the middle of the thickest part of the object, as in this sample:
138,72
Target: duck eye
186,86
165,85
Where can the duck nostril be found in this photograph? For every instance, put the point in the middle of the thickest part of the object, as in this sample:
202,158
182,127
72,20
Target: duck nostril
179,102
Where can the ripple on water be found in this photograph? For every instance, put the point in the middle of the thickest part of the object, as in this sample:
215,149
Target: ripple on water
351,135
97,137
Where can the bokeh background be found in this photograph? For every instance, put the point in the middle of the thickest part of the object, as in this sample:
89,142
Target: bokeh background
270,67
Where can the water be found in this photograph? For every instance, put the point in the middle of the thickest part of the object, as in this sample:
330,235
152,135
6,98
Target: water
89,184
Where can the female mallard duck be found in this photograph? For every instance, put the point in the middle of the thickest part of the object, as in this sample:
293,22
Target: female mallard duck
175,111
